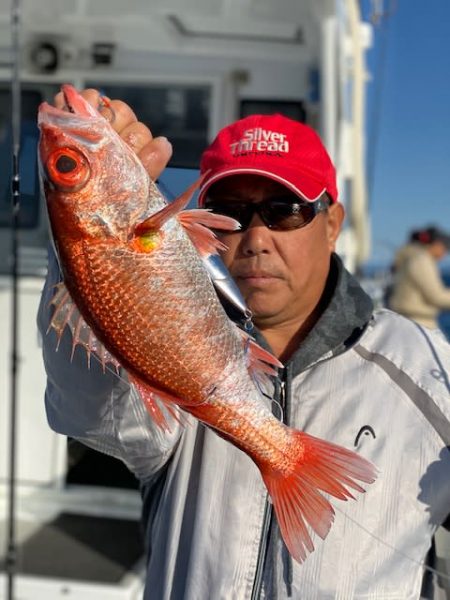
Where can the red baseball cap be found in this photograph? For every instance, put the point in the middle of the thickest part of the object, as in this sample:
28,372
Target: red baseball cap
273,146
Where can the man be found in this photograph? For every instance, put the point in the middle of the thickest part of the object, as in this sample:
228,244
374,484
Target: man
418,291
375,383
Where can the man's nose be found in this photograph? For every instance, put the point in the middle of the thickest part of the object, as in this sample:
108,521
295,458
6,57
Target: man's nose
256,238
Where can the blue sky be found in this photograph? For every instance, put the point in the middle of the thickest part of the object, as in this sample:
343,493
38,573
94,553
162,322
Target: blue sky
408,112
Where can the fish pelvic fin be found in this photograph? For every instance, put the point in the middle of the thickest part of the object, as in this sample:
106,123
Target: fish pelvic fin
160,405
296,495
67,315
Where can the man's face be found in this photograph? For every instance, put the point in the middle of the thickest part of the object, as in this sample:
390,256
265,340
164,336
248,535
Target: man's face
281,274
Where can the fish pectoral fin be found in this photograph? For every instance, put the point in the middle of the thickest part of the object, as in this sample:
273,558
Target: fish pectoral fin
317,466
157,220
161,406
197,223
67,315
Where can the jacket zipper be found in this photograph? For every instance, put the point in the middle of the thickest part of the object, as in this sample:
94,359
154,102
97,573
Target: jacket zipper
268,514
257,583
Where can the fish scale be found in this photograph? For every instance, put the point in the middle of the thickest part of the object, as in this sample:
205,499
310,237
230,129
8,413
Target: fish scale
136,334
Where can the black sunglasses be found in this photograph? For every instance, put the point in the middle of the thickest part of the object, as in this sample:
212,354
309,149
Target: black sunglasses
280,213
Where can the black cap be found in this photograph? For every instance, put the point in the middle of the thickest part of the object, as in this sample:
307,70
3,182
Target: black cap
429,235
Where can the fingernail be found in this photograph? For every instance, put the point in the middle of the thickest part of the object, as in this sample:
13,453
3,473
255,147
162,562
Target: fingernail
163,140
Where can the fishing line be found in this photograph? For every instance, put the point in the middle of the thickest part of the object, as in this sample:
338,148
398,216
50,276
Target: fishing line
419,563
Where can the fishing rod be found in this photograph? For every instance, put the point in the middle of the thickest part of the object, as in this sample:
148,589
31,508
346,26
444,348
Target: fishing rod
11,548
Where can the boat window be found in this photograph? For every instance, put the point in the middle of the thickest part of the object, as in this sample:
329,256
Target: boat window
179,112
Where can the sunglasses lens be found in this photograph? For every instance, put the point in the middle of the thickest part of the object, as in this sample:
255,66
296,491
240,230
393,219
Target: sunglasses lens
280,214
284,215
242,212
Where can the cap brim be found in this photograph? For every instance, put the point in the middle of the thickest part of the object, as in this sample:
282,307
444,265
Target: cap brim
309,189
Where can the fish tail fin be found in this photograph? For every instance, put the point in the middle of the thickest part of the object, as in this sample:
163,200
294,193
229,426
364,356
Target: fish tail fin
296,491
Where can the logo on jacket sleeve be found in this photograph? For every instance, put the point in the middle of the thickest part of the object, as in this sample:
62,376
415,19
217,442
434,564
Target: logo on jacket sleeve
260,140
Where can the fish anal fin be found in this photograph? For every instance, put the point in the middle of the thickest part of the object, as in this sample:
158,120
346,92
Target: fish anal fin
160,405
296,493
67,315
198,223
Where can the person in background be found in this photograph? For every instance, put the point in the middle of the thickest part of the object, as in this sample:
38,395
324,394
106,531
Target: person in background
418,291
369,381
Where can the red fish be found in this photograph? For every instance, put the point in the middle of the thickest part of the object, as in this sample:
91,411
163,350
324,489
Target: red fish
137,294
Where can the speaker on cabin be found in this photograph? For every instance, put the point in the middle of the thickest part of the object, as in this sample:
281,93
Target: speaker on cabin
44,56
46,53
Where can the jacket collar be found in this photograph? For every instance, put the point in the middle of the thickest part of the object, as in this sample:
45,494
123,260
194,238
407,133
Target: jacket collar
341,323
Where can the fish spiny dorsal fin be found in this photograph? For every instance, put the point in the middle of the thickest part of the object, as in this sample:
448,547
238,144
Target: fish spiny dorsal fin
63,305
67,315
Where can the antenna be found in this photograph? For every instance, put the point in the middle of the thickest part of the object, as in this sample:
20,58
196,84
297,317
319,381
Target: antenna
11,553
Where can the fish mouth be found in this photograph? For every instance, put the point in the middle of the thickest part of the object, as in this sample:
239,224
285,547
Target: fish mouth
75,104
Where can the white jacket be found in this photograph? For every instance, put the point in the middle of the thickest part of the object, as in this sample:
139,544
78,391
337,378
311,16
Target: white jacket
378,385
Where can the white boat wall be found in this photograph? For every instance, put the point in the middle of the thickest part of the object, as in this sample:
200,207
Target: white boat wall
188,67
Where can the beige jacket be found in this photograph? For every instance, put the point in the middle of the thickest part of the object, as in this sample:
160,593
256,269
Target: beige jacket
418,291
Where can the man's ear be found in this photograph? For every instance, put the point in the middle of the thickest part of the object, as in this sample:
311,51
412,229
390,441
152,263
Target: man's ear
336,215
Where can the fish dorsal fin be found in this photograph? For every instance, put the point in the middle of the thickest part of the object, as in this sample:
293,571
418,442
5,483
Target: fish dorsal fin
197,223
161,406
67,315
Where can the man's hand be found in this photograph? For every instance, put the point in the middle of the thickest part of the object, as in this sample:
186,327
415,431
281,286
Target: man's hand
154,153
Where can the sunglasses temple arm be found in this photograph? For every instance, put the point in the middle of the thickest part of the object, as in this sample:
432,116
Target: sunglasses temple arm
224,283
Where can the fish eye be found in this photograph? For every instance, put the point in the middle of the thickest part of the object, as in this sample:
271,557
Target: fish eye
68,169
65,164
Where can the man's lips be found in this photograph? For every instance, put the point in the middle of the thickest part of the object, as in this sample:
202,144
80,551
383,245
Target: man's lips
256,277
